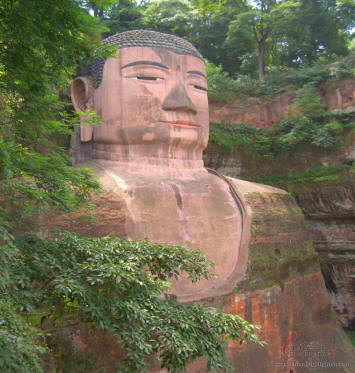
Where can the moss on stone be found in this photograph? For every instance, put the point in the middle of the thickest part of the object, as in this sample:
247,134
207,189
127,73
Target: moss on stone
311,177
273,214
276,263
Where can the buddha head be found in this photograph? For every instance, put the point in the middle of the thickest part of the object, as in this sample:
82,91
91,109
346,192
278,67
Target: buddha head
151,96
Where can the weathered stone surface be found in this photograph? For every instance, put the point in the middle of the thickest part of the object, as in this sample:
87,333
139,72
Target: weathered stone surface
107,218
265,113
330,211
282,291
302,335
154,108
280,247
189,207
339,95
254,111
329,208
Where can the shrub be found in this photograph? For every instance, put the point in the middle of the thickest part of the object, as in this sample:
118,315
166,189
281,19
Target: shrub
308,102
241,137
19,351
221,87
335,127
281,139
314,75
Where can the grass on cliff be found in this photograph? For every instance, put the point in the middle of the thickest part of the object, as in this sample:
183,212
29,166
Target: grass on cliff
312,175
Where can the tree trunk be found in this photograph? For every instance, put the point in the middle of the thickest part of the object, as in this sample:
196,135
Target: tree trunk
98,12
261,59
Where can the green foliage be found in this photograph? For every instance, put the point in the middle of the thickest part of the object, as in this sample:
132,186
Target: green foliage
123,15
117,285
39,49
283,138
221,87
262,23
171,16
225,87
335,127
18,353
40,45
308,102
235,34
242,137
312,175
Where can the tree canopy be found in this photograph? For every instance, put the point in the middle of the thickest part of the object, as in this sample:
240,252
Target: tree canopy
247,37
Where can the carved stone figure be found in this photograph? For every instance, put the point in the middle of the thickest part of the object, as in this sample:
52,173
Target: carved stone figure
152,98
148,156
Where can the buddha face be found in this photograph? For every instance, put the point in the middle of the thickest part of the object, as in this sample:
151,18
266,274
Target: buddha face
151,96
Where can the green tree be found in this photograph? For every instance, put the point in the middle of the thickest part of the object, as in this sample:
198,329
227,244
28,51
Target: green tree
98,7
320,30
117,285
244,36
123,15
171,16
209,35
40,45
262,23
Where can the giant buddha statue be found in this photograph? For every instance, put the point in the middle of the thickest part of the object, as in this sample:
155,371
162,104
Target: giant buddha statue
152,98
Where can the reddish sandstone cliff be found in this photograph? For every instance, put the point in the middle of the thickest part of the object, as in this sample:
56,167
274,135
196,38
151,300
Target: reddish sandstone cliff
265,113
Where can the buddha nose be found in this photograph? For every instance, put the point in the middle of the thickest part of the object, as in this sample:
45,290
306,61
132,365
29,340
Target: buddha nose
178,99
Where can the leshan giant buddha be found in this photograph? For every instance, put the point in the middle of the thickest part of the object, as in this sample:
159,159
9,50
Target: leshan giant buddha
148,156
152,98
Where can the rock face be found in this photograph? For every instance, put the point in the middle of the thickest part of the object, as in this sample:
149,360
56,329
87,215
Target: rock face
329,209
265,113
256,111
283,314
282,290
328,206
330,212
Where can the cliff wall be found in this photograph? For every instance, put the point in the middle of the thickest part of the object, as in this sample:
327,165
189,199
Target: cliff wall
337,95
326,199
329,207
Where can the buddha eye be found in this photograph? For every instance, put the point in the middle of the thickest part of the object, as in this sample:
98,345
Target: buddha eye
154,78
199,87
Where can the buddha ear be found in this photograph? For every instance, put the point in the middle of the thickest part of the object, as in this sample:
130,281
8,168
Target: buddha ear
82,95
